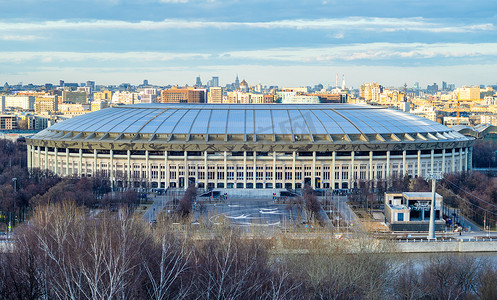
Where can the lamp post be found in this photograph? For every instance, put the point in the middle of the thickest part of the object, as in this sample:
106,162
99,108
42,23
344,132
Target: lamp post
431,228
14,200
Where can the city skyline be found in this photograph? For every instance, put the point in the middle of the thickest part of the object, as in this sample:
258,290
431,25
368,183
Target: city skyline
277,43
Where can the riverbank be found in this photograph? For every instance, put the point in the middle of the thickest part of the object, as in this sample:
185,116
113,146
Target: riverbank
424,246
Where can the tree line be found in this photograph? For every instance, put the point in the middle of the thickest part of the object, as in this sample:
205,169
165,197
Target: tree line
66,252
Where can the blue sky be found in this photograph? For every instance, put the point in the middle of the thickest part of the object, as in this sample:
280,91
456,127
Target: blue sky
299,42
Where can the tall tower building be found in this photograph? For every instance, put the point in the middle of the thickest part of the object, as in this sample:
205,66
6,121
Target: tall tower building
198,82
237,82
215,81
91,85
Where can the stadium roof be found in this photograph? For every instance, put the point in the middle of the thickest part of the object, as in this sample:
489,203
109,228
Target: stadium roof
339,122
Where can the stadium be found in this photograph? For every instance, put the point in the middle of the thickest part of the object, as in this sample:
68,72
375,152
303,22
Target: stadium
251,146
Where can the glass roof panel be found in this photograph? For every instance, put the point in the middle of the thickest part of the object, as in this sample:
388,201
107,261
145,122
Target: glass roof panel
217,125
313,122
263,122
152,126
74,123
201,122
249,122
168,125
139,121
346,126
104,119
185,124
236,122
330,125
80,123
299,124
121,122
282,124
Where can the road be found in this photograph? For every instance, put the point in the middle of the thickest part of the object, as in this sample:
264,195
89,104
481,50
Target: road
346,213
159,202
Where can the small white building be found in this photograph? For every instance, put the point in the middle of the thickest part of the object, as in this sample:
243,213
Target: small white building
410,211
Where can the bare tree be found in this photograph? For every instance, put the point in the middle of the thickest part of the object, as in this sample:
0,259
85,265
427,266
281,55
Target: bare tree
167,265
232,268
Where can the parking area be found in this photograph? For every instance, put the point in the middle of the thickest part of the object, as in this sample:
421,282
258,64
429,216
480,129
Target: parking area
245,212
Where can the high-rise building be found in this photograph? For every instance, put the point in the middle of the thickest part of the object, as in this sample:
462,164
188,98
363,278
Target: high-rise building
8,122
19,101
371,91
91,85
198,82
432,88
468,93
183,95
145,82
214,82
75,97
444,86
215,95
237,82
103,95
46,104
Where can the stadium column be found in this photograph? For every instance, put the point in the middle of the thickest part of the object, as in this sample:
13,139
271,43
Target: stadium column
387,171
39,157
370,166
465,165
274,169
46,158
419,163
205,170
293,168
67,161
244,169
352,170
225,169
128,170
333,165
29,157
111,177
404,166
166,170
56,163
80,171
453,160
255,168
443,160
313,175
186,173
147,170
460,159
470,158
432,160
94,162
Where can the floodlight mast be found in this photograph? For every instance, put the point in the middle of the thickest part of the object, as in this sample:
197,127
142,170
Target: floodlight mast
431,226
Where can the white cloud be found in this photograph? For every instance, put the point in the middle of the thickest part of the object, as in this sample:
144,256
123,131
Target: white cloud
349,23
173,1
372,52
21,38
343,53
53,57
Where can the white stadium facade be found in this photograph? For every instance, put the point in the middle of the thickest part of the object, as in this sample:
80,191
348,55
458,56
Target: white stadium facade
251,146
